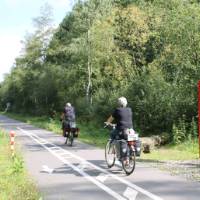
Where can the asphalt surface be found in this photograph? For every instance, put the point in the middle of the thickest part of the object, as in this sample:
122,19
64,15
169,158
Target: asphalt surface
80,172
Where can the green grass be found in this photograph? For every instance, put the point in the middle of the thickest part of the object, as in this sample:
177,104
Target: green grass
14,181
39,121
90,133
187,150
94,134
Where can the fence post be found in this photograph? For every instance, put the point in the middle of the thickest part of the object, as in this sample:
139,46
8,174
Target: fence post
12,142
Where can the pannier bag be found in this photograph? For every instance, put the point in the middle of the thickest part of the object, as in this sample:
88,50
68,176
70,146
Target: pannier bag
75,132
138,147
123,148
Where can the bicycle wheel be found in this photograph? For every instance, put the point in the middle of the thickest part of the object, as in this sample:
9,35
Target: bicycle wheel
128,164
66,136
66,140
71,138
110,154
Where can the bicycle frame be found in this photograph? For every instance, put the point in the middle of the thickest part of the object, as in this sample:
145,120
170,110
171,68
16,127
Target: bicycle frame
114,149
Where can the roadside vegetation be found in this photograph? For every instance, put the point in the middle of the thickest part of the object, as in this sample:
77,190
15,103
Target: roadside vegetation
187,150
96,135
147,51
90,133
14,181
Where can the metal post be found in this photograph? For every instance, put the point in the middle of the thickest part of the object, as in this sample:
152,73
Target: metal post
199,114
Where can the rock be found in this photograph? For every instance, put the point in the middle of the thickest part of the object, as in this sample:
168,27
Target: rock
146,148
156,140
149,143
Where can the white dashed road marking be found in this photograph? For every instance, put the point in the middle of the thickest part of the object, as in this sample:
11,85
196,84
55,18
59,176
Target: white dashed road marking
131,191
83,165
45,168
102,177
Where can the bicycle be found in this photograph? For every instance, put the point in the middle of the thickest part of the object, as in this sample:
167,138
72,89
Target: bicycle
72,133
122,150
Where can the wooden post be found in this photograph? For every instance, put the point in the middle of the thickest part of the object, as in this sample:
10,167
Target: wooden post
199,114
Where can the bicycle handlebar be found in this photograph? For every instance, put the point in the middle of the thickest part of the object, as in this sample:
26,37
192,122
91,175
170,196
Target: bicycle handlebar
108,124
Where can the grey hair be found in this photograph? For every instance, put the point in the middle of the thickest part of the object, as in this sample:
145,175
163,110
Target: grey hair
68,104
122,101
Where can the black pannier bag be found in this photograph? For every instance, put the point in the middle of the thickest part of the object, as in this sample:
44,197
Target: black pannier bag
75,132
123,149
138,145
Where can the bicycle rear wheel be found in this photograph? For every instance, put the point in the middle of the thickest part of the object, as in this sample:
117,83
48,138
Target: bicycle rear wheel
110,154
71,138
128,164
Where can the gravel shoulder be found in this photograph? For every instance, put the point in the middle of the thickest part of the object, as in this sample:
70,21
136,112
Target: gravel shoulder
189,169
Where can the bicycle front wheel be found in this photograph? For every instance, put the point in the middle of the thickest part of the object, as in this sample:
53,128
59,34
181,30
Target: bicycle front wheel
110,154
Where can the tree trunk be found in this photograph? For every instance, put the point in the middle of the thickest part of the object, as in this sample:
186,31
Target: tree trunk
89,69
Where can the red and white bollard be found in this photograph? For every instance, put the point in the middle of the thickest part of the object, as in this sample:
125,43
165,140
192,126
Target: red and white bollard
12,142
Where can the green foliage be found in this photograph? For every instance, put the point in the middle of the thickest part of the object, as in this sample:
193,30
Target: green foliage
17,166
123,2
193,128
184,130
179,131
146,50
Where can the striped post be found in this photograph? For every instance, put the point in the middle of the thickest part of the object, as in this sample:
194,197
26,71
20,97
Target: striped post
12,142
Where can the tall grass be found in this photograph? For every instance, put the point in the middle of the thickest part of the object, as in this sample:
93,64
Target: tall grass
14,181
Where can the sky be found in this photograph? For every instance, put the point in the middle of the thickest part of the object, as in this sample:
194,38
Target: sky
16,18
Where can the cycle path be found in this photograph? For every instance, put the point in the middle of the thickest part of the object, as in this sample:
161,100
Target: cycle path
80,172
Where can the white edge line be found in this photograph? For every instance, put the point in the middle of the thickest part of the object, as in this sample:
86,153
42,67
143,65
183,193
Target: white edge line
139,189
85,175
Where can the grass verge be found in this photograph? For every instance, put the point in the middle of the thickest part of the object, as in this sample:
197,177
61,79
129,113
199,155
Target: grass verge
94,134
188,150
90,133
14,181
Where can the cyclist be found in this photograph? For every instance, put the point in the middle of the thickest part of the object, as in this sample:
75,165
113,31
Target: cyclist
122,115
68,119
